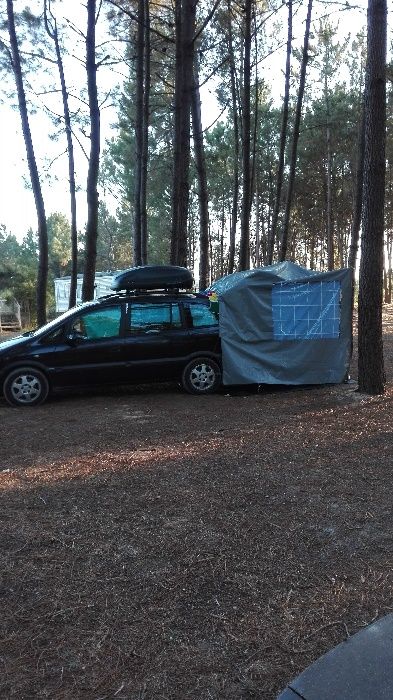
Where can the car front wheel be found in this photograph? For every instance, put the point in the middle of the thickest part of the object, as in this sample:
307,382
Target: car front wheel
201,376
25,386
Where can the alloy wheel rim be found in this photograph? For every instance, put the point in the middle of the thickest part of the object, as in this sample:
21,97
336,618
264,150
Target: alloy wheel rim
26,388
202,377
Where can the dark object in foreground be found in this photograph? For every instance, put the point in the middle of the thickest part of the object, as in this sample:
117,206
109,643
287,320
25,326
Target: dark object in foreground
360,668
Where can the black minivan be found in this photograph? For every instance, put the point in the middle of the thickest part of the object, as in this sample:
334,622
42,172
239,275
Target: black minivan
149,331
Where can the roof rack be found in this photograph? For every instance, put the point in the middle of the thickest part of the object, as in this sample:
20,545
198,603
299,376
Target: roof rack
148,292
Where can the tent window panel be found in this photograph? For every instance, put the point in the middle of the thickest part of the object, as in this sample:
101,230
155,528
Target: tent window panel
306,311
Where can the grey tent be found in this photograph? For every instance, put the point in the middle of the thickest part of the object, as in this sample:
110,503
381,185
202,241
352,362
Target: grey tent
284,324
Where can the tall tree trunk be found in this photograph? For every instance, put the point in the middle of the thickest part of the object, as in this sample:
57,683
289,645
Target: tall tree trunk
283,139
185,11
235,187
54,35
371,364
222,235
94,158
329,226
253,154
140,49
177,106
357,214
145,139
389,244
312,252
244,252
191,240
257,226
212,268
71,178
202,181
42,277
295,137
328,133
389,273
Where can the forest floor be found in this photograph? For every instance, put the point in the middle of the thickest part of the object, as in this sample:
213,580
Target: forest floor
157,546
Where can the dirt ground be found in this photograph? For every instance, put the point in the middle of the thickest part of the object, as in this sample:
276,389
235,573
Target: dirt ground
157,546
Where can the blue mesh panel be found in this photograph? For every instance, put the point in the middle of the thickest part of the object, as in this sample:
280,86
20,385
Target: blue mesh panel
306,311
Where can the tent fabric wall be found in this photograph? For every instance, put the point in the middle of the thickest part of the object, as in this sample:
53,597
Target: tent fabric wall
284,324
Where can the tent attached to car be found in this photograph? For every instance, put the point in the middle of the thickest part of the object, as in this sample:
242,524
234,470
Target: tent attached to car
284,324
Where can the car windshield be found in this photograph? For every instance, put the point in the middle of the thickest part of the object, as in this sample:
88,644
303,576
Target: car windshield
56,321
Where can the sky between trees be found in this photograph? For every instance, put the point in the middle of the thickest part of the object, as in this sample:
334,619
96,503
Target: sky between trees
17,210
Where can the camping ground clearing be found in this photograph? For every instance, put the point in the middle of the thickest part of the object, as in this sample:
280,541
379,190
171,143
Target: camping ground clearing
160,546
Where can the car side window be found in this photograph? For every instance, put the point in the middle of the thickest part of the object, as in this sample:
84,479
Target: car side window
53,337
101,323
202,315
153,318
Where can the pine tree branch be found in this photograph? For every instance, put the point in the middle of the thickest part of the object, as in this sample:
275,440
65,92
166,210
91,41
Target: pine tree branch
31,54
206,21
134,17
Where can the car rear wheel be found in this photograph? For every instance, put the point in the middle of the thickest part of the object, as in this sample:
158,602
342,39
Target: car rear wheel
201,376
25,386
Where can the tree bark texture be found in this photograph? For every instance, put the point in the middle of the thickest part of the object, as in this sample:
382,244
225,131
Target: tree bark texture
94,157
145,135
329,224
203,199
42,277
140,49
389,242
371,363
357,213
235,195
177,106
295,137
388,292
257,226
328,133
185,12
244,253
253,147
283,139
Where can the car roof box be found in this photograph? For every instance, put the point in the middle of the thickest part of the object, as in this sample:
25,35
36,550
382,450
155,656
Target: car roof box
152,277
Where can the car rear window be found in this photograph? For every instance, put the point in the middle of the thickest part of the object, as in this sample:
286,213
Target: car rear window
153,317
202,315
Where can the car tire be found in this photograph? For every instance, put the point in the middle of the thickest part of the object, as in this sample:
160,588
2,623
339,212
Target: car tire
25,386
201,376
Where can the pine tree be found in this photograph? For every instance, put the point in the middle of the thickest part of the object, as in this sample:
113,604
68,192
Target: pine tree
371,364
